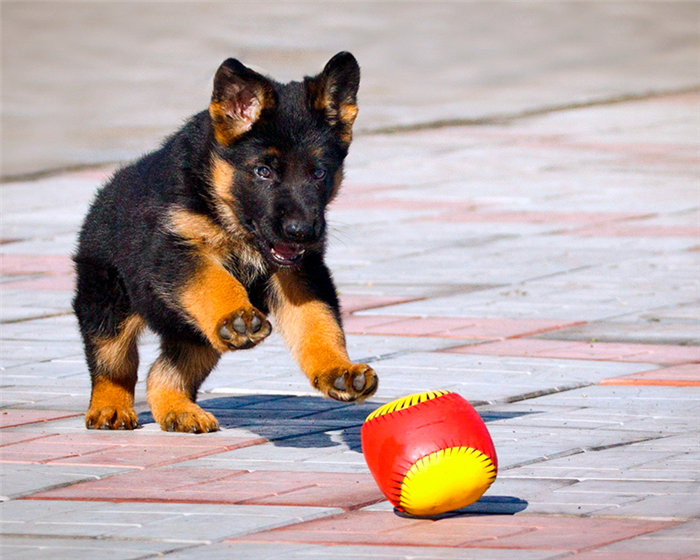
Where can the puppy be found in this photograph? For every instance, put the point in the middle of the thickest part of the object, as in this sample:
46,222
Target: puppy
204,238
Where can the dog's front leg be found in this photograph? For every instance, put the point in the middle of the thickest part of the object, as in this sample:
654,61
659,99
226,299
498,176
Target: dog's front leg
310,324
218,305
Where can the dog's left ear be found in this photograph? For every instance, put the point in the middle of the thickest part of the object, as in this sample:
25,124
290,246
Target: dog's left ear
334,92
240,95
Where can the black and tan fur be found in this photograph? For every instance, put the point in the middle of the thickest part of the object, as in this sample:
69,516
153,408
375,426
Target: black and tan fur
202,239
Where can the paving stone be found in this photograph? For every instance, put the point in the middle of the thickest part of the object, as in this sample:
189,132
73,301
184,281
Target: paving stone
61,328
225,486
11,418
23,305
39,548
283,551
28,351
172,522
636,400
113,449
520,532
685,375
475,376
450,327
18,480
606,554
681,541
331,451
606,351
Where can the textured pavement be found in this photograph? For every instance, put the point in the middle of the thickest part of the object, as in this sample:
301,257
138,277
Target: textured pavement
546,268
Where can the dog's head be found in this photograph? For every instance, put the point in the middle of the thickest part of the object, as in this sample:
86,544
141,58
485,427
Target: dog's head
279,152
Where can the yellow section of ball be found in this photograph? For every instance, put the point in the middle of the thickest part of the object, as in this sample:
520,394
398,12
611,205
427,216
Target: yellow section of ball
446,480
406,402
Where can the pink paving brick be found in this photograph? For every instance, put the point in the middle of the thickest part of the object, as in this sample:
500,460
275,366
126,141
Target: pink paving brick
64,283
10,418
343,490
352,303
16,265
452,327
227,486
385,203
573,350
685,375
516,532
532,217
116,450
360,324
9,438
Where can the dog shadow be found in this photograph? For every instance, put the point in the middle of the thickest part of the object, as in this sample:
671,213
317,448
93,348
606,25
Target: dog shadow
299,422
315,422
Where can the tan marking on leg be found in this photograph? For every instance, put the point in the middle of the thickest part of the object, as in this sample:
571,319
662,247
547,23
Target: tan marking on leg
317,341
111,405
308,325
114,378
117,357
172,389
211,296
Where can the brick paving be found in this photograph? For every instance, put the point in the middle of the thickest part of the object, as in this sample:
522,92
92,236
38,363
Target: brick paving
546,268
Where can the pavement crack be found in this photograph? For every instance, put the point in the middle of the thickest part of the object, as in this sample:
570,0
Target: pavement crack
540,393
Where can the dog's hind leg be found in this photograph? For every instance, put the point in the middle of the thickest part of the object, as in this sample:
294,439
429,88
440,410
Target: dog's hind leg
173,382
110,332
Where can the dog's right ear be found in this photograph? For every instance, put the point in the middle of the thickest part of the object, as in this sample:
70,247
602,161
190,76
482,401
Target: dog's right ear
240,95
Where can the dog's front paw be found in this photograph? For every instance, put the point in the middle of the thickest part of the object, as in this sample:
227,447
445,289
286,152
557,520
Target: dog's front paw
190,419
243,329
353,383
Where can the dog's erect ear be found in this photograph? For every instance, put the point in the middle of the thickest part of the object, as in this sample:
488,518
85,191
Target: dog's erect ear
334,92
240,94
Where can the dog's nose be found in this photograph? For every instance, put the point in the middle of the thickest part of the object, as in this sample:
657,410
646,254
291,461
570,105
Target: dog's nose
299,230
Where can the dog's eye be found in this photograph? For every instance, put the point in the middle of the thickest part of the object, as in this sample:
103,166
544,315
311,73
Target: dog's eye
319,174
263,171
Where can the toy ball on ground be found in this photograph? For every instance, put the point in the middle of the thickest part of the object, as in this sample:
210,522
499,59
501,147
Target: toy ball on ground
429,453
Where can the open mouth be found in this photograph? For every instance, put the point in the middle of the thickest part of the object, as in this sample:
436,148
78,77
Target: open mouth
286,254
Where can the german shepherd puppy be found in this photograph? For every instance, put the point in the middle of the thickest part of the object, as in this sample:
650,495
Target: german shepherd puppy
204,237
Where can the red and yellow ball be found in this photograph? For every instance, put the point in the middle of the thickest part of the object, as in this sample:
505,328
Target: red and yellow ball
429,453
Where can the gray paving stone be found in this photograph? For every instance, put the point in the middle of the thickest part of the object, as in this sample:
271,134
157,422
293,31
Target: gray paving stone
52,244
336,450
23,306
17,480
30,351
610,399
39,548
681,539
63,328
183,523
490,379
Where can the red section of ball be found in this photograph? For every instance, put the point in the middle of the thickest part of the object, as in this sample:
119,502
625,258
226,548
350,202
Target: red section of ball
393,442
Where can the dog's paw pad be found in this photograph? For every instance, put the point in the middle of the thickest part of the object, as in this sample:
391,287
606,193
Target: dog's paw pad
350,384
244,329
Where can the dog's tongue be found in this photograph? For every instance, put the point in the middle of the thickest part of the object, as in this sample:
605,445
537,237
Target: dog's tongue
286,250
